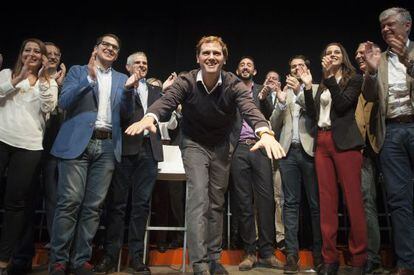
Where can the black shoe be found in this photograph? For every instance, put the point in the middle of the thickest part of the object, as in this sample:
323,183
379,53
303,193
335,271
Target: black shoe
217,268
138,267
85,269
176,244
19,267
106,265
329,269
57,269
291,266
317,263
162,247
373,268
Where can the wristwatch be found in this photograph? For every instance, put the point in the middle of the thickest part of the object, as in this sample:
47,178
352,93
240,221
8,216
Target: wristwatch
270,132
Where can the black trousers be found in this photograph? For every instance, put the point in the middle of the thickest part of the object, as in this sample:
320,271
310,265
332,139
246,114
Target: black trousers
22,167
253,185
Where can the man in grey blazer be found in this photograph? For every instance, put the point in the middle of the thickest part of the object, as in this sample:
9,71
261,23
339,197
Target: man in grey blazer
295,126
390,82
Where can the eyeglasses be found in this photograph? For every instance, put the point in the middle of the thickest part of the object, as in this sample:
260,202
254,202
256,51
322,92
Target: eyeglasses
106,45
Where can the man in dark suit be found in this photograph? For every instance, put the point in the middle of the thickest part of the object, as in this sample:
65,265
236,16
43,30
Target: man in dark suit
138,170
88,142
252,177
390,83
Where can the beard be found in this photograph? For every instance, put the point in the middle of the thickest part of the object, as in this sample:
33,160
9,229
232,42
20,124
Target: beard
246,78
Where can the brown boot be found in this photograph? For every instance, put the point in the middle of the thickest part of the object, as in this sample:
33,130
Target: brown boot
271,262
248,262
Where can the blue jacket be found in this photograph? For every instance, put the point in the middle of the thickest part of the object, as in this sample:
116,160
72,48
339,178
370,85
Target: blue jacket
80,101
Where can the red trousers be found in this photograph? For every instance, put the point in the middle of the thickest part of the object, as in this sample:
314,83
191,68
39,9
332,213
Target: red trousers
333,166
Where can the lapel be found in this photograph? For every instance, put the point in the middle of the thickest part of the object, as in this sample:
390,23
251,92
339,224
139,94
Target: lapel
114,90
383,71
95,89
291,103
255,94
411,57
151,95
137,98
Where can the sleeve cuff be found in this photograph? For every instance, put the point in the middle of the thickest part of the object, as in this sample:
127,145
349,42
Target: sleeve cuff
91,81
260,129
154,116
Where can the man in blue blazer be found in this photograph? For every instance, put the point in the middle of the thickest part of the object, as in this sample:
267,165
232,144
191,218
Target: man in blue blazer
94,97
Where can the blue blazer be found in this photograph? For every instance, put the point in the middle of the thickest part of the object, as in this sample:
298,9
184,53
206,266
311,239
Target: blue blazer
80,101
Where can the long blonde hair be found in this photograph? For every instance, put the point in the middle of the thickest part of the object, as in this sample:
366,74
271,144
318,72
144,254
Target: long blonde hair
19,62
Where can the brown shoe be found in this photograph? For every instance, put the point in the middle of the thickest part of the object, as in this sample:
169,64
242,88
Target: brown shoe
271,262
248,262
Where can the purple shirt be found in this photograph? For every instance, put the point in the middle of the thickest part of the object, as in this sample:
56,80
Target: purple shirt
246,131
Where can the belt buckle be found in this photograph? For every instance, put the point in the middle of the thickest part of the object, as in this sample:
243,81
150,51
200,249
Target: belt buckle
250,142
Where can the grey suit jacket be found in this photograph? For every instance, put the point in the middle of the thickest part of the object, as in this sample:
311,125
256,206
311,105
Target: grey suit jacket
282,120
375,89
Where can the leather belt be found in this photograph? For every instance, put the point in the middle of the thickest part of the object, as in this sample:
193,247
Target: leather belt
248,141
99,134
401,119
326,128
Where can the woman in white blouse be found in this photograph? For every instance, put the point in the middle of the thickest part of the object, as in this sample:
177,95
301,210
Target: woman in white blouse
338,158
27,96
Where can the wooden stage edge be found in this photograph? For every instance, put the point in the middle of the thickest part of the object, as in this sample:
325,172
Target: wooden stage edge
228,257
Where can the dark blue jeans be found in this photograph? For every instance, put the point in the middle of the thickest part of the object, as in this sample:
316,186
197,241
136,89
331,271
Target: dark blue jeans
297,170
83,184
397,163
369,195
138,172
50,183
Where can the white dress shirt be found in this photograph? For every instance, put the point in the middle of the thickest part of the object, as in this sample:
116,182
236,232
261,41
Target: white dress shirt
104,118
399,100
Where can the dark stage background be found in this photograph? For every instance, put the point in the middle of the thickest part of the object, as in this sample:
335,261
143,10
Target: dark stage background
271,32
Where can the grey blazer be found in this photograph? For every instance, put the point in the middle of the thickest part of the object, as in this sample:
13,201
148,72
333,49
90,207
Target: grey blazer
281,122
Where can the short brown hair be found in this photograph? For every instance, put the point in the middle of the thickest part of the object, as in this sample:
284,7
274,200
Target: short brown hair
212,39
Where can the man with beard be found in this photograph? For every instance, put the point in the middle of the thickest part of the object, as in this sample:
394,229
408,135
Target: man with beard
210,98
297,169
252,178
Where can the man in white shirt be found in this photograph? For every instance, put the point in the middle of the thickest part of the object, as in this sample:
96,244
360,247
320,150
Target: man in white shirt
87,145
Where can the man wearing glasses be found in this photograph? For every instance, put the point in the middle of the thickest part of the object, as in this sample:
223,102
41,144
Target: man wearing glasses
94,97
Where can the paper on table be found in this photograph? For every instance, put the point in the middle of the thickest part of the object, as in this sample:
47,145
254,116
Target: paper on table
173,163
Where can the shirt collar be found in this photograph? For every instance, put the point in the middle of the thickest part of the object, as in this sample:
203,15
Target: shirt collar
103,70
200,79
